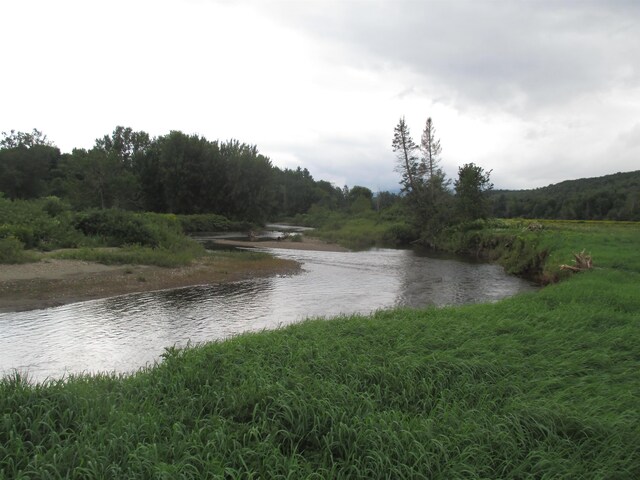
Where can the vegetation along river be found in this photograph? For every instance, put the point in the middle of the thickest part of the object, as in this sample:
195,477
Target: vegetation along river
124,333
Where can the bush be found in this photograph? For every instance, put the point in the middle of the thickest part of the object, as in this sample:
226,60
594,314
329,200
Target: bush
118,227
400,234
209,222
53,206
19,232
42,223
12,251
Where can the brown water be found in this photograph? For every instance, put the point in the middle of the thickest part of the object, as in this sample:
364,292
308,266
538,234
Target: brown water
126,332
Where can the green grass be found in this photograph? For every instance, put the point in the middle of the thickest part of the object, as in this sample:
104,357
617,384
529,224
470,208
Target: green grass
358,231
136,255
540,252
542,385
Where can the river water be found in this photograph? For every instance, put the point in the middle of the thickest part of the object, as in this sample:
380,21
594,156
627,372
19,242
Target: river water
127,332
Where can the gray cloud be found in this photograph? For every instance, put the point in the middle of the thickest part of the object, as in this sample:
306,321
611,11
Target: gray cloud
539,91
557,69
345,160
515,55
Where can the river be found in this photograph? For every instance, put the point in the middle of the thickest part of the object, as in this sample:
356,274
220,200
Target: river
127,332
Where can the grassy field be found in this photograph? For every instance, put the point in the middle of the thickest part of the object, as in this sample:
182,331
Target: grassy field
542,385
538,248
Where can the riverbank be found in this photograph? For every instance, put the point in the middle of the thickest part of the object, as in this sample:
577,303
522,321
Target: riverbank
51,282
539,385
305,243
55,281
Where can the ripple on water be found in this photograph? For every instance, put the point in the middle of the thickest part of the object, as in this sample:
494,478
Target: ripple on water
126,332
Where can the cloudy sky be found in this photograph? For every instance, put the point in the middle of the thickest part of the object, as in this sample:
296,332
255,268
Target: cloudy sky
538,91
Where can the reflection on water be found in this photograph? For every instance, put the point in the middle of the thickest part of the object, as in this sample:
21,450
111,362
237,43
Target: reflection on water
126,332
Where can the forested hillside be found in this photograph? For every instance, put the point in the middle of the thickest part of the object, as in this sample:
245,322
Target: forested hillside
611,197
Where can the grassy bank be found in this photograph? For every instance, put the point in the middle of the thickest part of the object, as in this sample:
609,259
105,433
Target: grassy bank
538,248
541,385
361,230
110,236
528,248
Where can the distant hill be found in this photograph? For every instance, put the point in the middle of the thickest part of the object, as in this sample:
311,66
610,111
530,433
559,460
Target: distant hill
612,197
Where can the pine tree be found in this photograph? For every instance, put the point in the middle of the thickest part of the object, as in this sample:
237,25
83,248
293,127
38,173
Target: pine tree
408,164
431,149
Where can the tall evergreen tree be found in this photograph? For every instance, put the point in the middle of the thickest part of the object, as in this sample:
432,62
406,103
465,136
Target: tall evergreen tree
431,149
406,152
423,181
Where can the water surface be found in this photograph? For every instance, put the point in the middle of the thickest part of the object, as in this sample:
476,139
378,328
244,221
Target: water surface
126,332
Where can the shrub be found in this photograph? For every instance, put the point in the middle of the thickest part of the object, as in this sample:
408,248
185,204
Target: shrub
400,234
119,227
53,206
19,232
42,223
12,251
209,222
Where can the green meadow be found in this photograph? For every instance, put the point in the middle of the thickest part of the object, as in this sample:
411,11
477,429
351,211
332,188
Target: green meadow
542,385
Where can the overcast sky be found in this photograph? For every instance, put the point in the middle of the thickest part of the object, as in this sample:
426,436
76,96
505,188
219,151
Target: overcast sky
537,91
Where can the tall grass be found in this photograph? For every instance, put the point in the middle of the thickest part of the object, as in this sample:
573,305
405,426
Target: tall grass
360,230
136,255
542,385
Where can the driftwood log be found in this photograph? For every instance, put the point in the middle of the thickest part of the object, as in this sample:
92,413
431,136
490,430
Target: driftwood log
582,262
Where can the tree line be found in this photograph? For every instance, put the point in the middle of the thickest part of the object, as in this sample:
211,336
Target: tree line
173,173
189,174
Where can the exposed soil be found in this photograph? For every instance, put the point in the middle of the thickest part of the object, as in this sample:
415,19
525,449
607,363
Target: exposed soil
53,282
307,243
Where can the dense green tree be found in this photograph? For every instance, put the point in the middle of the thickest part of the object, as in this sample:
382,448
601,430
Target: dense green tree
357,191
296,191
360,199
187,171
95,178
248,189
150,177
108,175
125,144
27,164
472,186
329,196
15,139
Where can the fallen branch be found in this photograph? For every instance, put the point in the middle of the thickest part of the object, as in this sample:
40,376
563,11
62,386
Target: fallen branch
582,262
